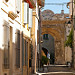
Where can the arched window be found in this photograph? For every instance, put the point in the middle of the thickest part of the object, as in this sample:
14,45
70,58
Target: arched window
45,37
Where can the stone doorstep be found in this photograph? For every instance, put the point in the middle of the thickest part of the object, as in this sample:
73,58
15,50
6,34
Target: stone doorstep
60,73
55,65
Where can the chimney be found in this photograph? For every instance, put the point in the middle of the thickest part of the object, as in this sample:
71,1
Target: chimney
62,12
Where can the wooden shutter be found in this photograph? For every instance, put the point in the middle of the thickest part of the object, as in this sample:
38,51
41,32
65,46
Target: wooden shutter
30,18
6,46
25,53
23,50
26,13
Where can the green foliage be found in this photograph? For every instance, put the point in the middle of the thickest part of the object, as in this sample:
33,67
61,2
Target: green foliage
44,60
69,41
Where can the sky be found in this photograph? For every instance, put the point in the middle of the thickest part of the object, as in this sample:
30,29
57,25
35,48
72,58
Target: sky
56,8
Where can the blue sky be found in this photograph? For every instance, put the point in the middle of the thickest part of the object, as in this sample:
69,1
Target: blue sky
56,8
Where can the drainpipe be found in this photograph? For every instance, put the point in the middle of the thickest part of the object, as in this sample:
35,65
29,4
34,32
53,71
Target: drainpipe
39,41
73,33
39,59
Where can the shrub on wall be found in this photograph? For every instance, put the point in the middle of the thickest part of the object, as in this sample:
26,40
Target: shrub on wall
69,41
44,60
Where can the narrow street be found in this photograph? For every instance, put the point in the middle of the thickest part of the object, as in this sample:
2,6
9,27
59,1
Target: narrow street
58,73
37,37
57,70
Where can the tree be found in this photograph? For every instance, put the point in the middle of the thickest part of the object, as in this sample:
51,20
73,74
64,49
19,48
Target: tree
69,41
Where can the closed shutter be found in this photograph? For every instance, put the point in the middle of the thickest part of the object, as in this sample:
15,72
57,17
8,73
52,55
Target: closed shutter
26,53
23,50
6,45
30,18
18,5
26,13
17,41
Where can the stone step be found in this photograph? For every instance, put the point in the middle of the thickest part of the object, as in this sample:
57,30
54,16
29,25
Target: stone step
59,73
57,68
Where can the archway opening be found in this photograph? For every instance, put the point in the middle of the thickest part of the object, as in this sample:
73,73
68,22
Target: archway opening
49,47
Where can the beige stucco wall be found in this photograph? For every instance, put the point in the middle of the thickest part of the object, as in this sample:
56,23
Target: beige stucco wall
1,59
16,24
4,20
68,54
70,11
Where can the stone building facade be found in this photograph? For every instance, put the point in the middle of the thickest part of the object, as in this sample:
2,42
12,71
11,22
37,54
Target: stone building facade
16,41
71,5
54,24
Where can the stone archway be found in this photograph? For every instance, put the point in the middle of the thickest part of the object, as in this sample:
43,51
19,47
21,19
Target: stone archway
59,47
53,25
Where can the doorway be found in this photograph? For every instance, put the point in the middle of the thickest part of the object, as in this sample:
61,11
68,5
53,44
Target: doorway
48,46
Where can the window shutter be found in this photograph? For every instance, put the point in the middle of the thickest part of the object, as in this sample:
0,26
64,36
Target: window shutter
17,41
18,4
6,45
45,37
26,53
30,18
22,50
26,13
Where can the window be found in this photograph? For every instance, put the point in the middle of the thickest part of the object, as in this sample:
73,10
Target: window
6,46
23,51
18,4
26,52
30,63
45,36
17,41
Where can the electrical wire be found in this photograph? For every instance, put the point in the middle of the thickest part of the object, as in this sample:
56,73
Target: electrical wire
62,4
55,3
